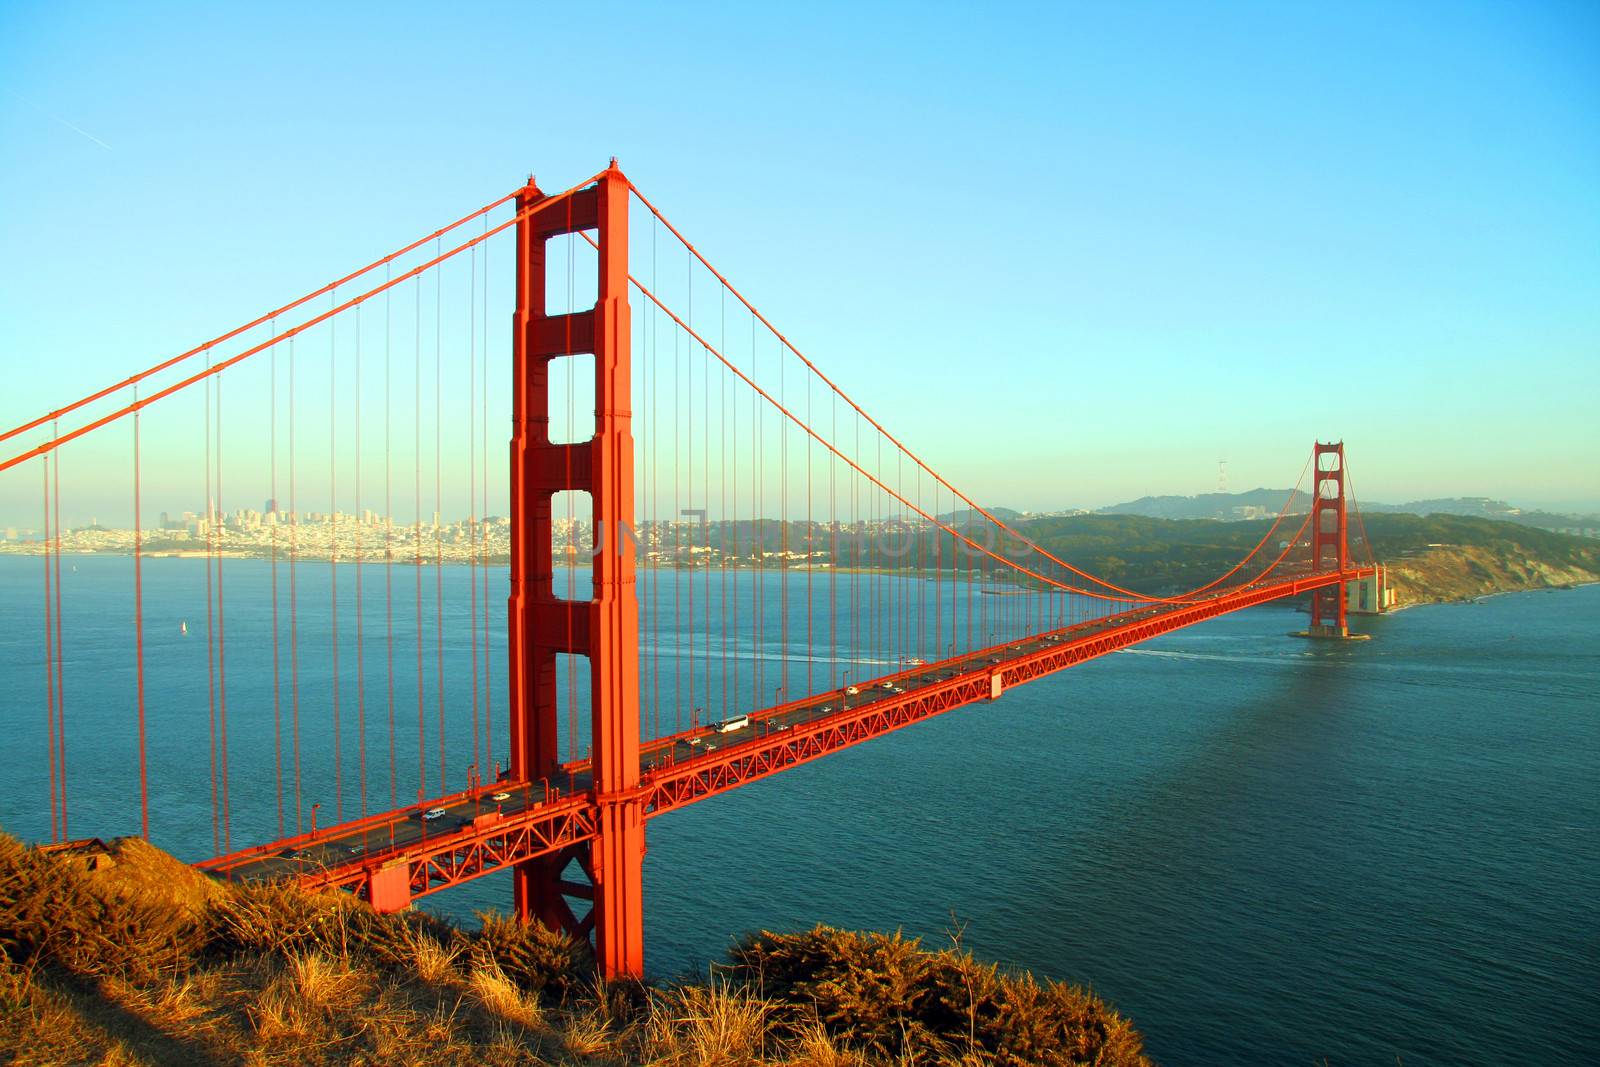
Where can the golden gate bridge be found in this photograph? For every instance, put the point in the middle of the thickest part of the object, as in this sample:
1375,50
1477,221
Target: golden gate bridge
722,566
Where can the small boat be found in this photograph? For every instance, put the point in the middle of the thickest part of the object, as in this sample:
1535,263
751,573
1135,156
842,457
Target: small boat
183,627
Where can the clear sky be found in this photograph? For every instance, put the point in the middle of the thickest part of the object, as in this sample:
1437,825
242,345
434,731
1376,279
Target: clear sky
1073,253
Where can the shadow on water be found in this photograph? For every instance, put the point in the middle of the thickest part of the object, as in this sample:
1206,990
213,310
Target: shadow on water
1227,825
1329,856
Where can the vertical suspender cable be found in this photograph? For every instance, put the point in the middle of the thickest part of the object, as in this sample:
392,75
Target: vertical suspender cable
688,427
935,560
222,644
880,579
61,661
695,505
677,536
294,606
757,502
856,647
138,629
388,530
721,526
211,627
50,660
472,479
272,488
438,505
483,430
810,552
648,527
722,508
704,542
333,554
653,365
683,480
784,540
733,439
416,546
361,602
972,564
917,642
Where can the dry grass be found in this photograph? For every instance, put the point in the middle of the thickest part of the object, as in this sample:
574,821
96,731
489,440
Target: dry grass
499,994
148,962
433,961
715,1024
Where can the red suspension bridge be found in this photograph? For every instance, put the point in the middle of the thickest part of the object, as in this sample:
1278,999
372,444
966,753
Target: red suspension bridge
721,567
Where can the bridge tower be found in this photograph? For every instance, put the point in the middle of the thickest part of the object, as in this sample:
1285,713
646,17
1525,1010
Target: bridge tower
1330,546
604,629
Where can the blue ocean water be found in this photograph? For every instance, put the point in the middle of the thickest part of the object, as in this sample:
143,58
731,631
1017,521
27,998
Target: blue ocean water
1262,850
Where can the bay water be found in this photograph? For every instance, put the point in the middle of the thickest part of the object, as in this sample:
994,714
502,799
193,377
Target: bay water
1261,849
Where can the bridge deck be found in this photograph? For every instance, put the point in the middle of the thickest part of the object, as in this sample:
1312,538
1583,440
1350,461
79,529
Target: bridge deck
493,826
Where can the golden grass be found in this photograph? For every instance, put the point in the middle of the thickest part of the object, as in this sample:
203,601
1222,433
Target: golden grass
431,960
499,994
156,964
812,1046
714,1024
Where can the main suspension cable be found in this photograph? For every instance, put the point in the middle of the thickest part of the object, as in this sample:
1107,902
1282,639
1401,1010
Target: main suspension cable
252,324
1001,524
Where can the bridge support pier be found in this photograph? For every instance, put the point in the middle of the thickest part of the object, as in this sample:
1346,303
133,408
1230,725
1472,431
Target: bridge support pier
1330,545
605,629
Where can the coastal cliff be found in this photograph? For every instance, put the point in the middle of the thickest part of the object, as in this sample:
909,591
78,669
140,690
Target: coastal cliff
1457,572
1440,558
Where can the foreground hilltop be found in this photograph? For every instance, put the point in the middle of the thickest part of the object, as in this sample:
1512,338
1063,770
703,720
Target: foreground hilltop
121,954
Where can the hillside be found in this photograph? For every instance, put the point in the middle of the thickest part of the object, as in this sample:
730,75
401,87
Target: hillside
120,954
1224,507
1264,503
1444,557
1431,558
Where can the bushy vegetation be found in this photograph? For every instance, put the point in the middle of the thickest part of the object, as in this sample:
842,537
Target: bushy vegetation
146,961
885,996
51,914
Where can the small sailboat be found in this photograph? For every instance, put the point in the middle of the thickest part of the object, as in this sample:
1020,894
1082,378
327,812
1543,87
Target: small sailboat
183,627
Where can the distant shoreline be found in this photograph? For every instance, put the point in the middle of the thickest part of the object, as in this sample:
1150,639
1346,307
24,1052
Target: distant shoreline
457,561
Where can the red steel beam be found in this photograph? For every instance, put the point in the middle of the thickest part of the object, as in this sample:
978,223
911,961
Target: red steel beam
493,842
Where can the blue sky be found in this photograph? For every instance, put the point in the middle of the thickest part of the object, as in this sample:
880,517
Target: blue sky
1071,253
